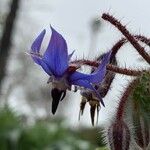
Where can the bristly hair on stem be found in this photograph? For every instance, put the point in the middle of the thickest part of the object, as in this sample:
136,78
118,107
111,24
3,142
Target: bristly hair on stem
123,41
115,49
124,99
127,34
113,68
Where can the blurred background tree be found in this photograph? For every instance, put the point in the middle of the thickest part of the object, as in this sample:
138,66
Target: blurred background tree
6,41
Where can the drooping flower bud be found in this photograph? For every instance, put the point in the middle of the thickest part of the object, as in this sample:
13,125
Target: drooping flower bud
141,109
119,136
142,132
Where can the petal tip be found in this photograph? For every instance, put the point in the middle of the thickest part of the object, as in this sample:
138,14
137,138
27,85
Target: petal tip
56,54
36,45
102,103
44,31
52,29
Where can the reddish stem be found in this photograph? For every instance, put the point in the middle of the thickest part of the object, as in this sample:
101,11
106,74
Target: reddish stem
124,71
110,67
123,41
124,99
143,39
127,34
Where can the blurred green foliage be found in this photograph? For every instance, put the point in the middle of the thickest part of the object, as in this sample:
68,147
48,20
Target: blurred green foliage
94,135
9,129
16,134
102,148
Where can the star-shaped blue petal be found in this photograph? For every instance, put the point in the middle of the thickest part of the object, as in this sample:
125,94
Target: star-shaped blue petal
36,46
86,80
55,62
56,54
55,59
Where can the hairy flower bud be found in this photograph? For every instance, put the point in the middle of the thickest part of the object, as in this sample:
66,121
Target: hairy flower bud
141,131
119,136
141,111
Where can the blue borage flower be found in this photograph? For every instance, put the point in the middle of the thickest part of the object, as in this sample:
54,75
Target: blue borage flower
56,63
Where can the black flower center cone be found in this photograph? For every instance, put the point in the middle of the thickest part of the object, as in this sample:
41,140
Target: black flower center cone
57,96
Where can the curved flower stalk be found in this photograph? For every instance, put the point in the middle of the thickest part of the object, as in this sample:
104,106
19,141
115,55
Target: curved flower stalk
63,74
